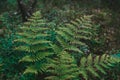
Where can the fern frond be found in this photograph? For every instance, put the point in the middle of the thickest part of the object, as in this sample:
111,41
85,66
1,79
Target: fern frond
34,38
62,68
93,65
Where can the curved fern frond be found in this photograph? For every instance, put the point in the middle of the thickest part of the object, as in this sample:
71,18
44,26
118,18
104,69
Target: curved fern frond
81,31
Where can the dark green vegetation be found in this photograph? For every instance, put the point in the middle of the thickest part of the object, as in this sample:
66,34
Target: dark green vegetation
59,40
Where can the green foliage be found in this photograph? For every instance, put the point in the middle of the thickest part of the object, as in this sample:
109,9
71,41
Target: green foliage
67,49
8,57
33,39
